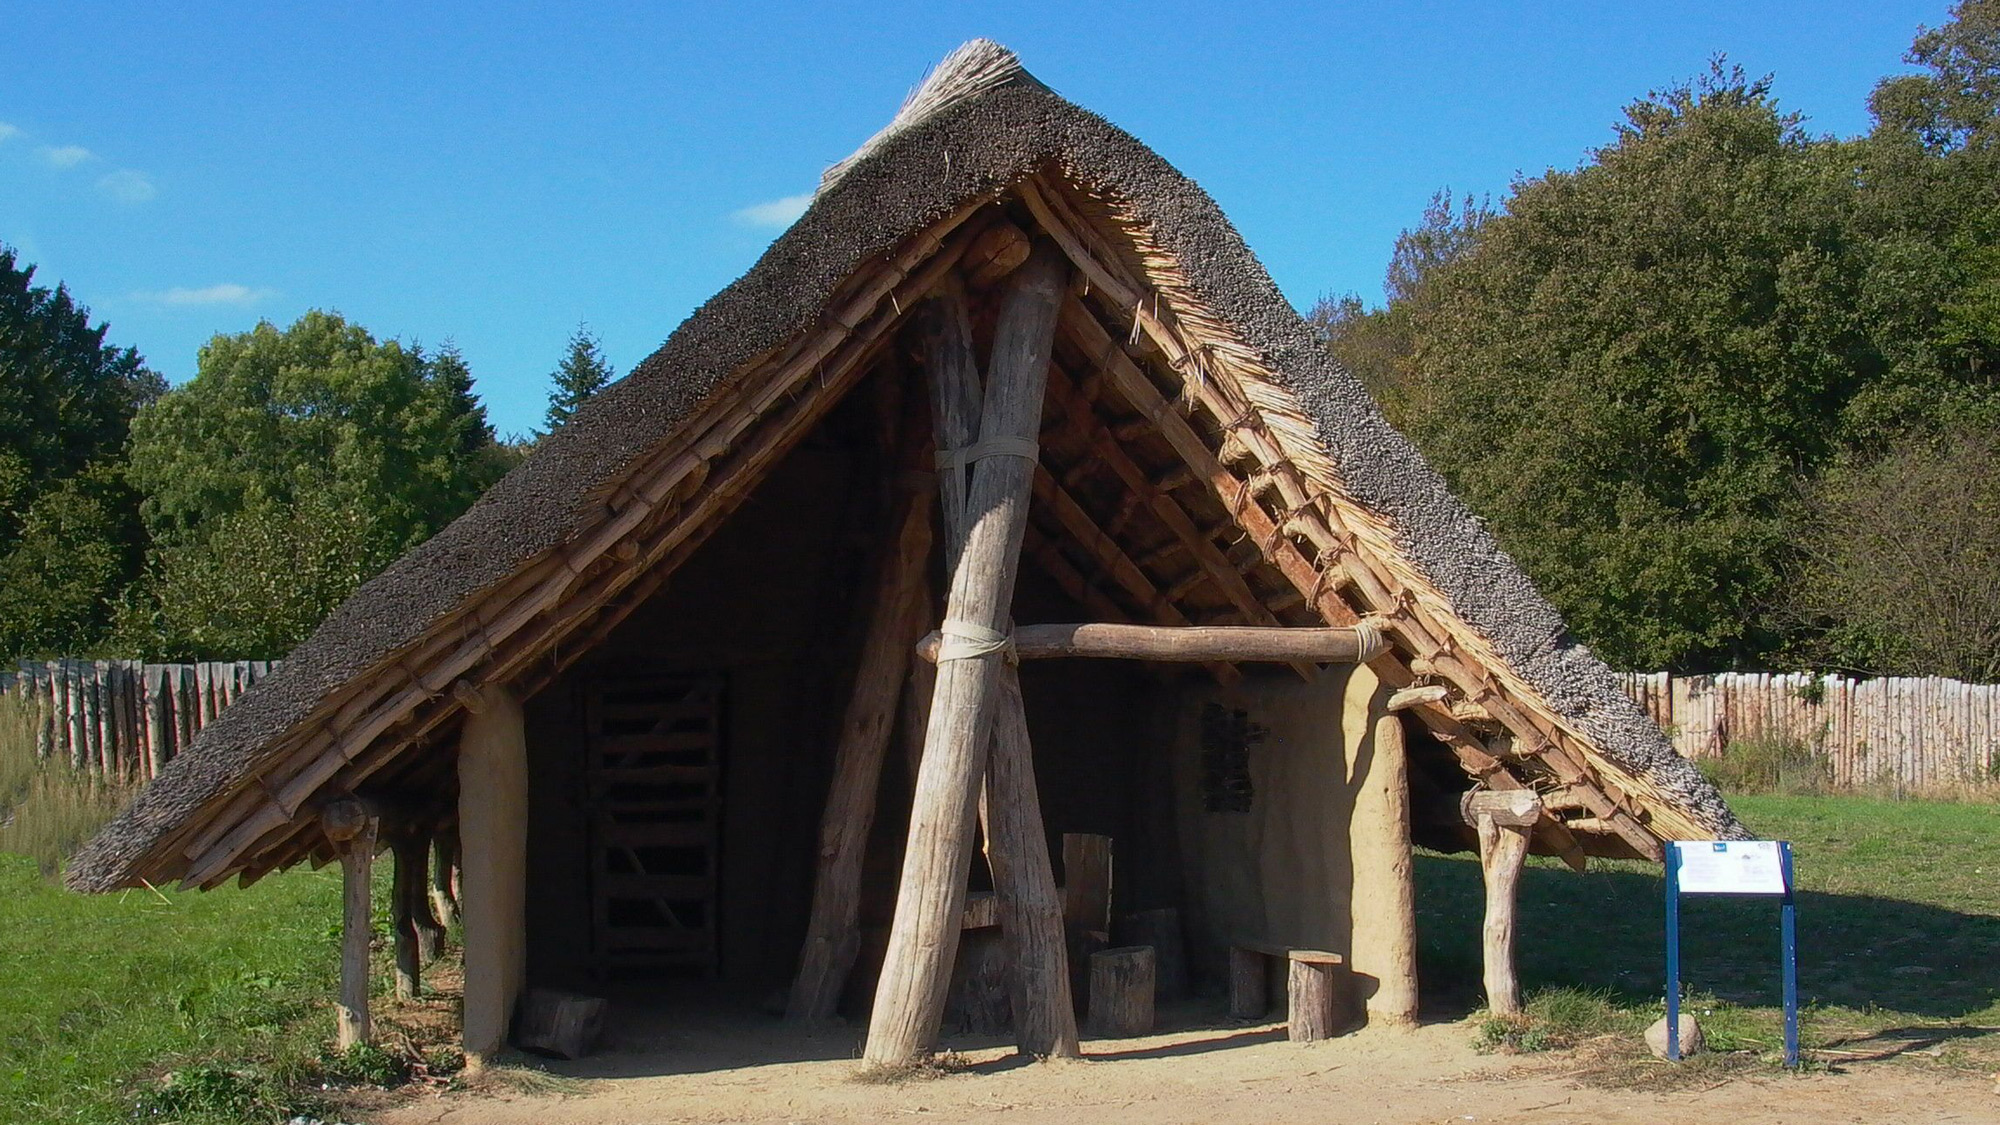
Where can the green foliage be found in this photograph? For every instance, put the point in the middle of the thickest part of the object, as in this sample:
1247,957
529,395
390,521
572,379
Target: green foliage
294,466
582,373
1557,1018
1638,370
68,537
47,809
1769,764
1902,562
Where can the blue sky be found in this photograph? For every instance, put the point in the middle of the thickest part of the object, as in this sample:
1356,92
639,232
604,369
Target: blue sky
495,173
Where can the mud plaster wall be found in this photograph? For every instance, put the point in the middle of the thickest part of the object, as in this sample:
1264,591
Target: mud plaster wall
1280,872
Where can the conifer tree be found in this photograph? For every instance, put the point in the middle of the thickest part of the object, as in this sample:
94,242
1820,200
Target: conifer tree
582,373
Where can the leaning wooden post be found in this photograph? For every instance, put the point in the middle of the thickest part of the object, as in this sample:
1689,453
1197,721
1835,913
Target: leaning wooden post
900,609
909,999
1017,847
1504,819
352,826
408,912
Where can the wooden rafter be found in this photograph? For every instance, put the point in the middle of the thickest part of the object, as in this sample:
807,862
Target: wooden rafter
1310,516
1138,390
572,591
1081,418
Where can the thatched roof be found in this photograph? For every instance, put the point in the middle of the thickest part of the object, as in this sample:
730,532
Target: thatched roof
566,538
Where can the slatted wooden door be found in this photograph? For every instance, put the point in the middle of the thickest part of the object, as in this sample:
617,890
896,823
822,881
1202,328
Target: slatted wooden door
655,809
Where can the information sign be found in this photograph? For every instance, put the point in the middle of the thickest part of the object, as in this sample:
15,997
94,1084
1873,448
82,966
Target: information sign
1733,867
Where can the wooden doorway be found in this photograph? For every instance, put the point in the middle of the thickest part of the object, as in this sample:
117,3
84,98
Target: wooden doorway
654,784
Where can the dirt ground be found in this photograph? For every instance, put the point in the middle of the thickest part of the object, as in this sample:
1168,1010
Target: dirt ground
751,1068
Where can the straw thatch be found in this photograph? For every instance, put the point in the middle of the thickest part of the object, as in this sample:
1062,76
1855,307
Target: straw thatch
979,129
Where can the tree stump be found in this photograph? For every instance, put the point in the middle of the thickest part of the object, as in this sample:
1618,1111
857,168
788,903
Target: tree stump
562,1024
1160,929
1312,995
1249,984
1121,991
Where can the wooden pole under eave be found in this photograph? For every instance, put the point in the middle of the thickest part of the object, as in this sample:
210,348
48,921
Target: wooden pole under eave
1504,820
353,827
909,998
1017,850
900,609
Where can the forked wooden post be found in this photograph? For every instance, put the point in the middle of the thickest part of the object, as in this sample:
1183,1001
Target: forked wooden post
352,825
900,608
417,934
1504,819
1017,850
909,999
444,865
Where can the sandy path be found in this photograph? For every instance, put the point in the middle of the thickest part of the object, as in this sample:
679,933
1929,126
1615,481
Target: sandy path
1430,1075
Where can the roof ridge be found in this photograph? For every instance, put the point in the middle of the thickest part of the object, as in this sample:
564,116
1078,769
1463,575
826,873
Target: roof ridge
973,68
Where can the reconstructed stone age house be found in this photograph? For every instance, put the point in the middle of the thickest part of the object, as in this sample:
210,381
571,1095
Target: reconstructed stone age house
1013,377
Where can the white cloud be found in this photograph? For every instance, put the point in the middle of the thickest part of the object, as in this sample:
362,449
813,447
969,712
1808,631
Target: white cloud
127,186
68,156
8,132
227,293
776,213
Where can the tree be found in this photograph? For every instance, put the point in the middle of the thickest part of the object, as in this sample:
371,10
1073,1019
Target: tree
1628,367
582,373
1956,105
1901,569
291,468
68,537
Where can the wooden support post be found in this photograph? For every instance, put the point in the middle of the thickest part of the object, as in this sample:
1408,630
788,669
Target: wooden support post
1503,820
351,826
1121,991
493,832
909,999
416,932
1312,995
1382,954
1249,984
900,609
1031,913
444,868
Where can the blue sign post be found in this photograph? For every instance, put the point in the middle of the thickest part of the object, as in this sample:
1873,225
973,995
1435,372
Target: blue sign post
1732,867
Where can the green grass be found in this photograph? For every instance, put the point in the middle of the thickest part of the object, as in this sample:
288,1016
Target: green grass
100,992
1899,918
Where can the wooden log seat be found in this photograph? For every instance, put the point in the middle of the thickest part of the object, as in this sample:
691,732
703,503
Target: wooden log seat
1313,986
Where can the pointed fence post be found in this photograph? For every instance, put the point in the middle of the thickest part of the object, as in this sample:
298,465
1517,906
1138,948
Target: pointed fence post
909,999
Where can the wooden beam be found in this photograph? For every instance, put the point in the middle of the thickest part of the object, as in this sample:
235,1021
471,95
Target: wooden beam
1503,848
909,999
1107,450
343,737
1190,644
900,609
1307,577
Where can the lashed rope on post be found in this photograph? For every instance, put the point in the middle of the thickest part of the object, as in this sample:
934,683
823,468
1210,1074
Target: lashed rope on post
963,640
953,463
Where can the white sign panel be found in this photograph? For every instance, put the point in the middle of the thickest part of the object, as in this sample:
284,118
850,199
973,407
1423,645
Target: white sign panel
1730,867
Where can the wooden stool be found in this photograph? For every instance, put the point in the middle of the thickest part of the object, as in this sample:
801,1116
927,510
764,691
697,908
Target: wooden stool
1121,991
1312,989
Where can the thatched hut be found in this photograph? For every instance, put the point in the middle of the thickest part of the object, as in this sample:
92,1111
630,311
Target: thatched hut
662,689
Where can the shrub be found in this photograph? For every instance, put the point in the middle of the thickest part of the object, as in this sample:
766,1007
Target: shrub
47,809
1769,764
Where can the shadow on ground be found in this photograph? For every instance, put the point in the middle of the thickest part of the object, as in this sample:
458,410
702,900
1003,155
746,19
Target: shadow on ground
1605,928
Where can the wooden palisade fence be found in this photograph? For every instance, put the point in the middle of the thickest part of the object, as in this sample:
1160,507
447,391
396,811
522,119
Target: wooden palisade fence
127,718
1903,733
